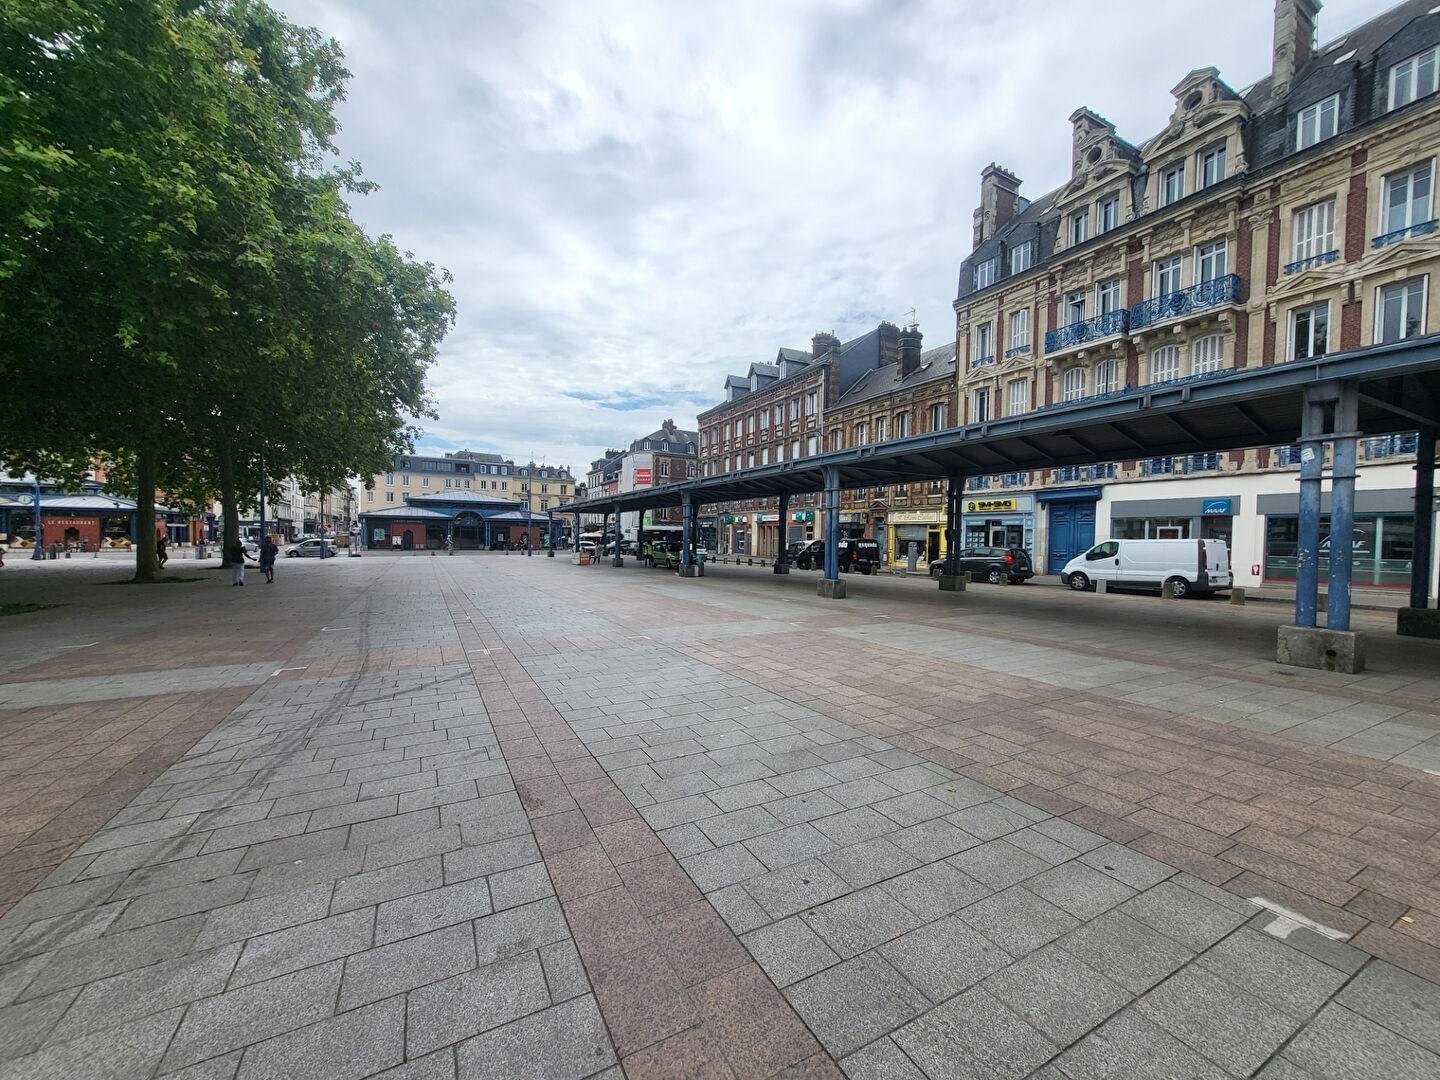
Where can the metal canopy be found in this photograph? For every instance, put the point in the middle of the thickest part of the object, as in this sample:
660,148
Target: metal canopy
1399,388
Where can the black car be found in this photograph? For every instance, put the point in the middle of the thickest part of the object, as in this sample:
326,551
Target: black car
992,564
862,555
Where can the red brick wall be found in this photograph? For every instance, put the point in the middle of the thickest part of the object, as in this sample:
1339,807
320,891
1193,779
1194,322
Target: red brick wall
56,526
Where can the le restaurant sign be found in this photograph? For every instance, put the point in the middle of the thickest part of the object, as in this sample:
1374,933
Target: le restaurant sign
991,506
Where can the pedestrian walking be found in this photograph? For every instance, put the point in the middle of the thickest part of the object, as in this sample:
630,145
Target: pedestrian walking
236,554
268,551
161,544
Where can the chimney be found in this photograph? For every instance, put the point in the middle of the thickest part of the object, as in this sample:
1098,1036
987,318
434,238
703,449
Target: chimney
910,339
668,428
889,343
999,199
1294,40
823,343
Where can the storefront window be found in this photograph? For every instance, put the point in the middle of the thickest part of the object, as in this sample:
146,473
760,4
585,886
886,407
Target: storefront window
1381,548
1151,528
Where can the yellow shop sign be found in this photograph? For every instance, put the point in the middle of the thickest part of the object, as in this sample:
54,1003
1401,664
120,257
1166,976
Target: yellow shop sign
991,506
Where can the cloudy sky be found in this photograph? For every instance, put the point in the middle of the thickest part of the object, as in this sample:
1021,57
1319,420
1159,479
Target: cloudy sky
639,197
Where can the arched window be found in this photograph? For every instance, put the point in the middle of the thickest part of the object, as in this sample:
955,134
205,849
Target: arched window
1107,376
1165,363
1072,384
1207,354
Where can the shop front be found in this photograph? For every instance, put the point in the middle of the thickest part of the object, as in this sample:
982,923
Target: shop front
738,538
1208,518
925,529
767,530
801,526
999,522
1382,541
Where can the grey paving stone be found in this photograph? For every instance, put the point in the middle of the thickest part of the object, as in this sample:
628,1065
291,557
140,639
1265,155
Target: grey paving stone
1183,914
223,1067
254,833
390,883
25,1026
264,914
289,849
400,825
1070,834
124,860
173,875
913,808
685,840
855,1002
437,1066
998,863
934,890
1217,1019
798,809
795,888
789,951
741,796
1128,952
1283,977
47,935
346,1047
855,826
860,920
564,972
792,844
738,908
304,946
108,839
1281,1068
285,877
930,841
864,791
113,954
1017,920
564,1042
881,1060
1337,954
1079,889
973,1037
431,910
393,969
1136,870
868,862
126,997
1340,1044
511,888
1130,1047
1057,993
734,826
14,977
439,841
454,1009
128,1052
988,821
944,958
61,900
185,900
678,811
519,929
253,1013
719,867
1398,1000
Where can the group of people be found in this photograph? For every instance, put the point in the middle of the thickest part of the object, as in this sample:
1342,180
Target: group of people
237,555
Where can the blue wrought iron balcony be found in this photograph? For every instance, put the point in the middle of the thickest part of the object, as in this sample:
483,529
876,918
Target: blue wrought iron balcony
1400,234
1314,260
1101,326
981,361
1018,350
1208,294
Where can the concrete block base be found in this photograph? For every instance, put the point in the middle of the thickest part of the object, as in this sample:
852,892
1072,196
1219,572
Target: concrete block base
1320,648
1418,622
1237,596
693,570
955,583
782,568
831,589
618,561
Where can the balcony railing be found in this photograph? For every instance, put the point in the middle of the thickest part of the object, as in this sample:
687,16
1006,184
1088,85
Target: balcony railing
1101,326
1386,446
1314,260
1400,234
1016,351
981,361
1208,294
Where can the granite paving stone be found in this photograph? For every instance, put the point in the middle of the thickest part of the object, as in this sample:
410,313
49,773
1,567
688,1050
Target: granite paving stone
973,1037
352,1045
447,1012
855,1002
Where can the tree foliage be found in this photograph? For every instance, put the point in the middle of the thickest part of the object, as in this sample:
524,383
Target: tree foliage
181,285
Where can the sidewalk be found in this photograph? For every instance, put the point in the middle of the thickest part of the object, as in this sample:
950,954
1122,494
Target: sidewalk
479,816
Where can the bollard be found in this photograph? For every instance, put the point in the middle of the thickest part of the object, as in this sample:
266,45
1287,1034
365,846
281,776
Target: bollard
1167,591
1237,596
1100,588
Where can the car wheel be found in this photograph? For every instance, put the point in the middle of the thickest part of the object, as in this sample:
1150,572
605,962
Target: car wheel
1181,587
994,575
291,554
1079,582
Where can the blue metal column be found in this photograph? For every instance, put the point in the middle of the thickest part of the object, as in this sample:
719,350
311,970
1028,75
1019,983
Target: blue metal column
953,493
687,523
782,532
39,552
1423,558
1312,468
617,561
832,521
1342,507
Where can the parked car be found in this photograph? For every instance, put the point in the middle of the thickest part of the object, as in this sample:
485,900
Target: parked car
856,554
251,546
312,548
665,553
1191,567
992,564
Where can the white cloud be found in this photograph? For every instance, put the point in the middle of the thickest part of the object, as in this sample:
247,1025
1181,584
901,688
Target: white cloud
638,197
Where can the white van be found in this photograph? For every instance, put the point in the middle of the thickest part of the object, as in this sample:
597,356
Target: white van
1192,566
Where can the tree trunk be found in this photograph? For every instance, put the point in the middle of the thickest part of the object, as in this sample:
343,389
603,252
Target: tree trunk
229,512
147,565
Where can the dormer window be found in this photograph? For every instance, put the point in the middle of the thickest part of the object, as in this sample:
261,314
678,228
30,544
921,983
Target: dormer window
1414,77
1317,122
1021,257
1172,185
1107,214
986,273
1079,227
1210,166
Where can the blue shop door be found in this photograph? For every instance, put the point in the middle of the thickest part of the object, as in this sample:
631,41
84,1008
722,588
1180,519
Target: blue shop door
1072,532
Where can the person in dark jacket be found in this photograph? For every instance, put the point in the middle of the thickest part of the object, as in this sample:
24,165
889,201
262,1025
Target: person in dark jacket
268,551
236,554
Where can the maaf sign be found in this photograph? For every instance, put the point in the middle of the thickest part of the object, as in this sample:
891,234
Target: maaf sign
991,506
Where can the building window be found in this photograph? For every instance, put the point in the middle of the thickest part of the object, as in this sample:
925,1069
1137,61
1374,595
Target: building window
1211,261
1406,198
1079,227
1172,185
882,428
980,411
986,273
389,478
902,425
812,445
1074,308
1019,397
405,480
1202,463
1107,296
812,403
1165,363
1314,230
1317,122
1107,376
1020,257
390,496
794,410
937,416
1414,78
794,449
984,343
1167,276
862,434
1401,311
1072,384
779,415
1309,331
1019,329
1210,167
664,471
837,439
1107,214
370,496
1207,354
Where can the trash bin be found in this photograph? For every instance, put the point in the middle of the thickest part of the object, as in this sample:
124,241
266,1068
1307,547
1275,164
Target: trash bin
200,550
